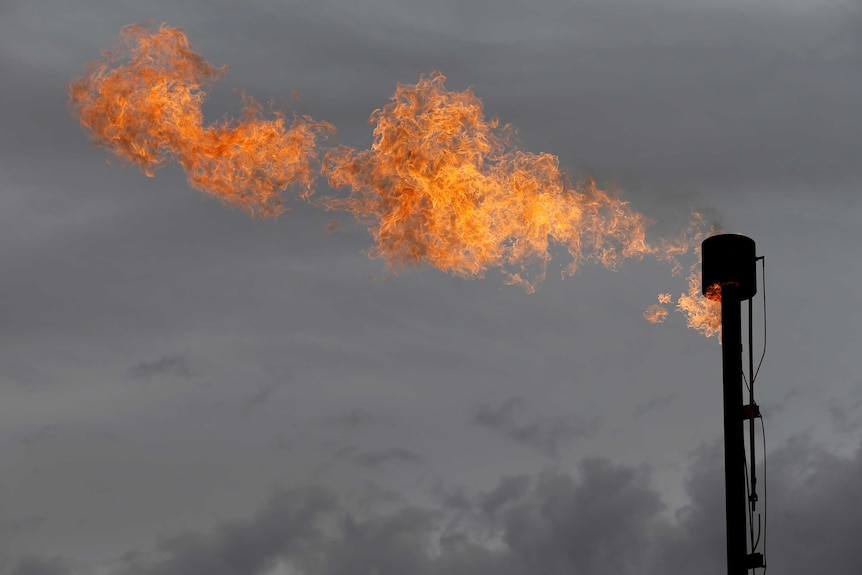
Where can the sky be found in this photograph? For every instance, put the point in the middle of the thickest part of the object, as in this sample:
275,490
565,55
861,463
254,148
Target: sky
186,390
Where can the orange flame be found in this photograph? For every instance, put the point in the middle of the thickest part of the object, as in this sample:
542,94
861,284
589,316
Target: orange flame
444,186
655,314
143,101
704,314
441,185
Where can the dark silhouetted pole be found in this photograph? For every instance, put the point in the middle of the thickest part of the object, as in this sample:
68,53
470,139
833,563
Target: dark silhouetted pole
730,276
734,446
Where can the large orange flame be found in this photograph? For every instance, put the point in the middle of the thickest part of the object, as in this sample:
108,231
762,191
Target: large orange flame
143,101
444,186
441,184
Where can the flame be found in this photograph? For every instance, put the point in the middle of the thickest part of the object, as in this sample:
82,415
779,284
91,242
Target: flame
655,314
143,100
704,315
441,184
658,313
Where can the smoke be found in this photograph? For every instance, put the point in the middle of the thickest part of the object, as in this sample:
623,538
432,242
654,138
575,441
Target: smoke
441,184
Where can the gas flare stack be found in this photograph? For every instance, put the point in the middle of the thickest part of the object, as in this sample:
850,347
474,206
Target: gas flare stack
730,276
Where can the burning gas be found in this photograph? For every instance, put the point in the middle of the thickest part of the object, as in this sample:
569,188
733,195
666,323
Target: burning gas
703,314
444,186
143,101
441,184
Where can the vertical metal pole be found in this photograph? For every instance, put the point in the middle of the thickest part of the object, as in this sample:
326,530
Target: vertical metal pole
752,501
734,442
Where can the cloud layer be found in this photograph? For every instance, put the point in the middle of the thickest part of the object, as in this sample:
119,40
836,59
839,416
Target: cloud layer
604,518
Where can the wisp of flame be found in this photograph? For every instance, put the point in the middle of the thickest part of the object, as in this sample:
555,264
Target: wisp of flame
441,185
143,101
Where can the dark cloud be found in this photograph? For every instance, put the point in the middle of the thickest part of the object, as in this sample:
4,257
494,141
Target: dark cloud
553,523
451,497
815,508
508,490
546,435
605,518
697,539
171,365
598,523
287,525
395,543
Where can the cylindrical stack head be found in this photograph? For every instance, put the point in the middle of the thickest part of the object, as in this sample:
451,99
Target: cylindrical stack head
729,266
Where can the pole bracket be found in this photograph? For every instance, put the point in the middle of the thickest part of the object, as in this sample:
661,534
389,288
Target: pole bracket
754,561
750,411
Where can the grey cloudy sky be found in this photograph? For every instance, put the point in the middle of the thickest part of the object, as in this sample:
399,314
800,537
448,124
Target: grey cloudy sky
185,390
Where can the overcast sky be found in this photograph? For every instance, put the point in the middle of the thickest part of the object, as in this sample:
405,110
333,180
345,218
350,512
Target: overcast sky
185,390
